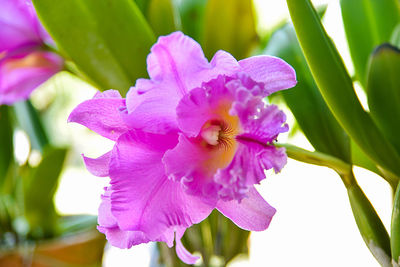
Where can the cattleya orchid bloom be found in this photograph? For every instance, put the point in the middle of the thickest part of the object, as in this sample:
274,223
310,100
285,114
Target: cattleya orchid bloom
194,137
24,64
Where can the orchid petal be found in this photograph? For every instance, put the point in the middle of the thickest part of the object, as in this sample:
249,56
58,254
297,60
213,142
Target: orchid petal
176,65
123,239
152,110
20,75
181,251
114,94
252,213
101,114
247,168
183,164
275,73
264,125
260,126
99,166
194,166
108,225
19,24
193,103
206,103
143,199
126,239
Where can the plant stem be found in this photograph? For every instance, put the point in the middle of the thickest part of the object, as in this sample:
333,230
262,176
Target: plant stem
317,158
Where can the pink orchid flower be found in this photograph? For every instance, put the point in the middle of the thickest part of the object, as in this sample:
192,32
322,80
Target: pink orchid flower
24,64
194,137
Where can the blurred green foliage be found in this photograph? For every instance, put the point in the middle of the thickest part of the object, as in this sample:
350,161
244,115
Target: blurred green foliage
6,149
161,15
192,17
229,25
28,217
40,186
107,40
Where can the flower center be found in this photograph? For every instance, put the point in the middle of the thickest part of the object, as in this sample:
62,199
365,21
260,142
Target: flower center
217,134
211,134
218,141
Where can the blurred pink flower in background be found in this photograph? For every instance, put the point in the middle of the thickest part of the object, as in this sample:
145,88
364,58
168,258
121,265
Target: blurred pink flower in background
194,137
24,62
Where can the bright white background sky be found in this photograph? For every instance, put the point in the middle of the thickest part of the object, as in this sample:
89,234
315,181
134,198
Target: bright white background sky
313,225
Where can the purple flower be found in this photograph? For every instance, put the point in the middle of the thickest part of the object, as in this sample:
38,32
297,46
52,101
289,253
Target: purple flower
194,137
24,64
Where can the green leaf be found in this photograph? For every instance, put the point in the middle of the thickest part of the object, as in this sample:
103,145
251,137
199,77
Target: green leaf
370,225
359,158
142,5
162,16
229,25
39,189
108,40
73,224
395,228
383,91
192,17
29,120
336,87
308,106
367,25
306,102
395,38
6,140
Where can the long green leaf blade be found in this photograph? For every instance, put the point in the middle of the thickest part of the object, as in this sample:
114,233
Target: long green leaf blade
367,25
336,86
395,228
370,225
309,108
305,100
108,40
142,5
360,159
383,91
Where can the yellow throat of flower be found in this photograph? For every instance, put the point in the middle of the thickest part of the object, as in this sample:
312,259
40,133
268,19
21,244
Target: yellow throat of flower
218,138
